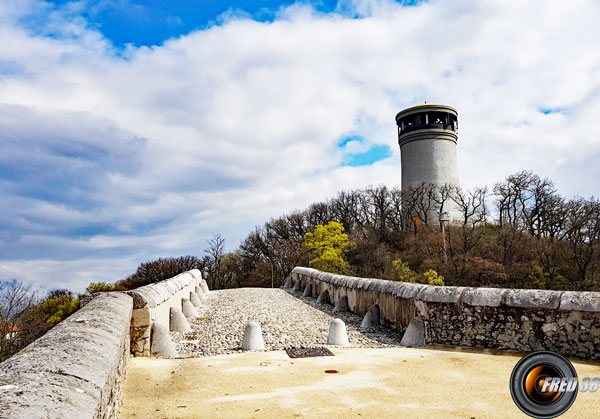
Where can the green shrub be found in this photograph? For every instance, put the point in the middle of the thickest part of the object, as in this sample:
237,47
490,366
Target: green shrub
99,287
328,244
402,271
433,278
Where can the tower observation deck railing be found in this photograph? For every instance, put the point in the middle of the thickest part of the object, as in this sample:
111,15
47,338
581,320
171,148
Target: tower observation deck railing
423,120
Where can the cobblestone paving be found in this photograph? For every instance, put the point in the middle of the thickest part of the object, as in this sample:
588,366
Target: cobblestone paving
287,320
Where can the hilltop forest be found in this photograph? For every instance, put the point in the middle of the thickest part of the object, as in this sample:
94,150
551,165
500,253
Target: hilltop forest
521,234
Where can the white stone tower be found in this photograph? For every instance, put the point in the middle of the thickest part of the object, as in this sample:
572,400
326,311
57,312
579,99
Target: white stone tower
427,135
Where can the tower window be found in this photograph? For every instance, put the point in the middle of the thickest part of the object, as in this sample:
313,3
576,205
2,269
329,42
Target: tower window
409,121
454,123
438,118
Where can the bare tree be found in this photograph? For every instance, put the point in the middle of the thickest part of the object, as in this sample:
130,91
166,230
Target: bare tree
512,198
345,207
410,198
529,203
471,204
425,204
441,194
318,213
378,209
396,214
158,270
15,298
583,235
216,253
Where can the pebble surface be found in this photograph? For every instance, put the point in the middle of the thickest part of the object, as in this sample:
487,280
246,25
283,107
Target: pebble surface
287,320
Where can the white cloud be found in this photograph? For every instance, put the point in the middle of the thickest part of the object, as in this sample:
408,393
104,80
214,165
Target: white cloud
110,157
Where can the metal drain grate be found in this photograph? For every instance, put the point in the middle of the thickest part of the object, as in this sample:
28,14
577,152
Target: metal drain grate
308,352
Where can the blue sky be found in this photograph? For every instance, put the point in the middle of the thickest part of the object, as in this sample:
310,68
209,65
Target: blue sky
134,130
151,22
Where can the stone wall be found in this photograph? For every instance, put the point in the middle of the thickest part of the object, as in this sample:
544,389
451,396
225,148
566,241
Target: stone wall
567,322
76,369
152,304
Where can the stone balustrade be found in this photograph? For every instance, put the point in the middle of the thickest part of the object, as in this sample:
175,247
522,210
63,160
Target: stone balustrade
152,304
566,322
77,368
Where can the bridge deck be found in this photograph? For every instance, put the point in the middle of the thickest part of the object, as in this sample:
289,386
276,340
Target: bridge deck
375,378
287,320
370,383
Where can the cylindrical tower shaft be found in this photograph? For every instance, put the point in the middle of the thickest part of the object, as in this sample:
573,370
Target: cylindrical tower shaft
427,136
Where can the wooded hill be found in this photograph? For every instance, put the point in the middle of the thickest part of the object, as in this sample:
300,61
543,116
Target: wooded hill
522,234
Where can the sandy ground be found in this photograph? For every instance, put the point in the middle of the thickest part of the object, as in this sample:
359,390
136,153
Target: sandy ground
370,383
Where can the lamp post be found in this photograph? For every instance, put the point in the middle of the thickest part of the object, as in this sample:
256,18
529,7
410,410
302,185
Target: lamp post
444,217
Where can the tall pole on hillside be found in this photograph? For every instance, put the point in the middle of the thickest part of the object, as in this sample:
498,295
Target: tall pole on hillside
444,217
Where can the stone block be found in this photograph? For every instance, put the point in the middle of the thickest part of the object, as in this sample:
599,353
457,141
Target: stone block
140,298
161,344
411,290
341,305
204,286
490,297
297,286
337,333
178,321
580,301
140,317
371,317
323,297
195,299
414,335
432,294
533,298
188,309
253,340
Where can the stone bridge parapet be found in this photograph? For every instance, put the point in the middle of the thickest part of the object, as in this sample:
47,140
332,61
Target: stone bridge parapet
76,370
152,304
567,322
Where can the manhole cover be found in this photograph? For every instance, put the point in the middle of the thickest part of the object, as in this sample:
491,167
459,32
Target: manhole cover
307,352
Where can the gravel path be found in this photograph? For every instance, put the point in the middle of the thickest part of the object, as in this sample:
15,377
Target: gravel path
287,320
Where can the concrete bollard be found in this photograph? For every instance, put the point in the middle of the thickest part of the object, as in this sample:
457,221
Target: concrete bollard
341,306
253,340
200,293
414,334
297,286
323,297
204,286
188,309
307,291
371,317
288,283
177,321
337,333
195,299
162,345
